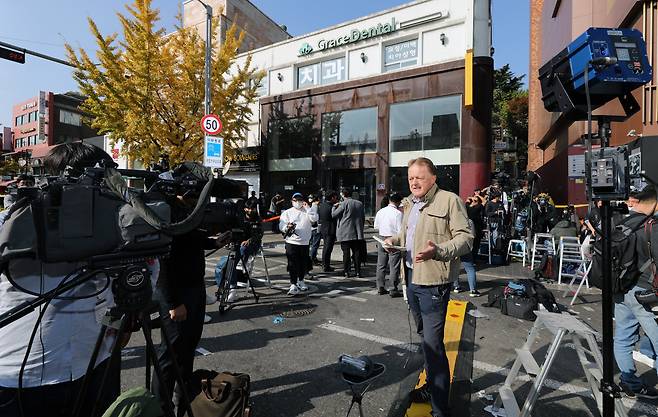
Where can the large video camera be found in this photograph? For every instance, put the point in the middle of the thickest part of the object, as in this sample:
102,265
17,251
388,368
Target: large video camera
97,218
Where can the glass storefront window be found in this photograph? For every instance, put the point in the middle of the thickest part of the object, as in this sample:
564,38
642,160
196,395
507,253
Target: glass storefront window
400,55
425,124
352,131
290,143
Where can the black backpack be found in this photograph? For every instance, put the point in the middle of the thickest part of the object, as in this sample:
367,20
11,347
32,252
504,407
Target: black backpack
625,269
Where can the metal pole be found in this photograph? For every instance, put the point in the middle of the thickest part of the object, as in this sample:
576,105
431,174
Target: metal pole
608,388
208,54
37,54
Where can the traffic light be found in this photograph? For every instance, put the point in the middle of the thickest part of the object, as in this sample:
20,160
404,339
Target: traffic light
12,55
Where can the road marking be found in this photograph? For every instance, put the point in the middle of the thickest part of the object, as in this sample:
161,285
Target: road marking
487,367
590,309
339,294
368,336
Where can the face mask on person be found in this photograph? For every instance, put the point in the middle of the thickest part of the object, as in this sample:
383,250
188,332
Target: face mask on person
297,204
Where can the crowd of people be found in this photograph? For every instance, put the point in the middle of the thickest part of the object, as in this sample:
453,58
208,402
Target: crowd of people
425,239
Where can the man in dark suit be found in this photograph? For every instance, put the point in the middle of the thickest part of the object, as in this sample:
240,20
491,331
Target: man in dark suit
327,228
349,231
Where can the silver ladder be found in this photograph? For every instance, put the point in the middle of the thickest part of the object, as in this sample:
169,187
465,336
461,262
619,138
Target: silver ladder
539,247
570,253
584,341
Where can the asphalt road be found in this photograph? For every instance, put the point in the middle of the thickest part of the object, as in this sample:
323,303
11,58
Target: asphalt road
292,364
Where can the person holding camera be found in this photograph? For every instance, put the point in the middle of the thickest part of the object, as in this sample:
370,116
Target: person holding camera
54,370
296,224
181,293
543,214
248,247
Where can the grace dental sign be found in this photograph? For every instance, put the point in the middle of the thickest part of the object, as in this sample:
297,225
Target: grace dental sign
355,35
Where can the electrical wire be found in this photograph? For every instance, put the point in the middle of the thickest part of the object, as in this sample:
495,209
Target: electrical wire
66,298
29,345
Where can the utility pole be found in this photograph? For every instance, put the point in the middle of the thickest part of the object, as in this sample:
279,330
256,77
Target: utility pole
208,52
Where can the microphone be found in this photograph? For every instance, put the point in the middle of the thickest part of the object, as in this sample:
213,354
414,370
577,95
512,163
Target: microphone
604,61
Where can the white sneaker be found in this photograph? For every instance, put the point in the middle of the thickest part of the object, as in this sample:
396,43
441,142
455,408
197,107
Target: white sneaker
210,299
294,290
207,318
302,285
232,295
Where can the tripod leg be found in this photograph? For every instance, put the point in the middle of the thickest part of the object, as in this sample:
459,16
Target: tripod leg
177,370
150,349
267,272
251,285
114,354
231,265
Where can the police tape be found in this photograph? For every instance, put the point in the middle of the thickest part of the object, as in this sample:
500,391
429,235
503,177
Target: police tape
572,205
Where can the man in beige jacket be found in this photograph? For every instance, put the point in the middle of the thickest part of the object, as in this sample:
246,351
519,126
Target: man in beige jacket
435,233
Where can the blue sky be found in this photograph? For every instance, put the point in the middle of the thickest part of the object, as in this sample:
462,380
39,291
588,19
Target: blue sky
46,28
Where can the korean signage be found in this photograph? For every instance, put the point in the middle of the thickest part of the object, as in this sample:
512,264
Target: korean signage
213,155
401,52
321,73
355,35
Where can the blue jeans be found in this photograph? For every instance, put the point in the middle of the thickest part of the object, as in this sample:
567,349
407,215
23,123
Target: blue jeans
629,317
429,304
220,268
315,244
469,265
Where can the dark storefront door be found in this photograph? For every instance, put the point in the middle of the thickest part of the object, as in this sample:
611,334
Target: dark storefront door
360,181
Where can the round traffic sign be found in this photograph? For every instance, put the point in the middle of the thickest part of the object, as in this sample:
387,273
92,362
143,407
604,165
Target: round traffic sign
211,124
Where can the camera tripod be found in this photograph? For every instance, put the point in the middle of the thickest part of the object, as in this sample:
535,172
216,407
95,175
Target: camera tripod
234,258
132,290
133,296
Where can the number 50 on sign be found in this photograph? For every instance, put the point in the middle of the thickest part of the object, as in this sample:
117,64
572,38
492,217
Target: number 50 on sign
211,124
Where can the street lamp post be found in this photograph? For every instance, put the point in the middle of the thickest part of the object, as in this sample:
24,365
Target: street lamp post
208,51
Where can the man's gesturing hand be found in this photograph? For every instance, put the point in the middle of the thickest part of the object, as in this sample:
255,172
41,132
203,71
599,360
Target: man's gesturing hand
427,253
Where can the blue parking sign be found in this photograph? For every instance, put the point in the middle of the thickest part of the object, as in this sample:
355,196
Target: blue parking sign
213,155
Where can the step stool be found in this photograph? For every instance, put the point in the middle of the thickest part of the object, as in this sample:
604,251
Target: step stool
516,248
569,252
584,342
539,247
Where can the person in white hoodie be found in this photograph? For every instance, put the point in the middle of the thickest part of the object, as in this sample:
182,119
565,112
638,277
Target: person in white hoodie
295,224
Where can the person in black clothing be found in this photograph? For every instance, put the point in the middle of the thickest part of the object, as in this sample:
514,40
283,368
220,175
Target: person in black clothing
593,219
253,201
276,207
475,212
327,228
181,293
543,215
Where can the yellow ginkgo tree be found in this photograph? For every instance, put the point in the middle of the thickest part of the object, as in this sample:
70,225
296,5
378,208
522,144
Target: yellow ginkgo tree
146,88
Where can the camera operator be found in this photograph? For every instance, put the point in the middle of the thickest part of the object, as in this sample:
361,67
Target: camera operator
593,219
248,247
543,214
630,315
55,367
295,224
181,292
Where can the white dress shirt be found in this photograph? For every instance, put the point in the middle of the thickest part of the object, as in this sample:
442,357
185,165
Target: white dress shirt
388,221
66,335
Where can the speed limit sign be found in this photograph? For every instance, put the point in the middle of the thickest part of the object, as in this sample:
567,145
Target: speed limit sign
211,124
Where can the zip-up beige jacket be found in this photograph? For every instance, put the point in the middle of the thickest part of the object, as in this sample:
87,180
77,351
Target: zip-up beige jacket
444,221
